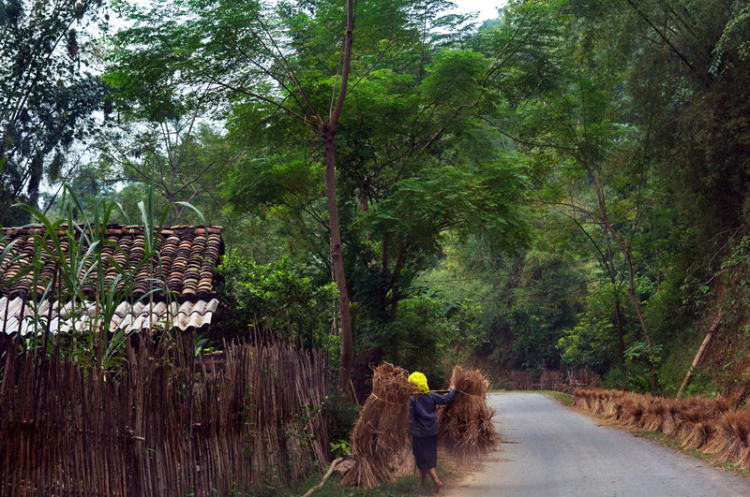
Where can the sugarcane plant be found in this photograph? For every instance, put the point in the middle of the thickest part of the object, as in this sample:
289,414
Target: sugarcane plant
87,283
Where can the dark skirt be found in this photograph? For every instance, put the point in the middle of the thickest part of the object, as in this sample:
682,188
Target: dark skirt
425,451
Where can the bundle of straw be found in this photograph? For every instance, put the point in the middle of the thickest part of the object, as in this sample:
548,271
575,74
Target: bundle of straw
380,433
696,424
628,410
466,427
404,463
656,416
729,440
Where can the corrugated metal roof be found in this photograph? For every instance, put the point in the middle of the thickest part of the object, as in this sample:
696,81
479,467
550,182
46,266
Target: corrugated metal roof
82,317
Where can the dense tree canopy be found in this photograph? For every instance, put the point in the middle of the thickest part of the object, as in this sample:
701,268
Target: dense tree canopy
47,92
560,187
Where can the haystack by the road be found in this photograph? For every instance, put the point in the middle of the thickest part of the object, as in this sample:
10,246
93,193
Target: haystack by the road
709,425
380,434
466,427
729,440
696,422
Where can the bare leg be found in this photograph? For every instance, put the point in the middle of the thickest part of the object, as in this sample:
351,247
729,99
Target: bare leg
434,476
423,473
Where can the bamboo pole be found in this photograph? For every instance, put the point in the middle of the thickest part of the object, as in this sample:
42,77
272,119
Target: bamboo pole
701,351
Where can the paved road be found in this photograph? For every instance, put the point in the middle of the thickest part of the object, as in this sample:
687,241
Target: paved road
549,451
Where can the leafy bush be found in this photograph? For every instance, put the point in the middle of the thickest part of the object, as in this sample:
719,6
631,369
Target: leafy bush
276,298
341,414
428,334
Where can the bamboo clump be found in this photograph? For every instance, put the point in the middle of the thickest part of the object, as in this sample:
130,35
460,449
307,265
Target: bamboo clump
380,435
466,427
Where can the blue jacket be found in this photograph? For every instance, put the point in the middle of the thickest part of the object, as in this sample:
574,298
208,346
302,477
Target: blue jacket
422,422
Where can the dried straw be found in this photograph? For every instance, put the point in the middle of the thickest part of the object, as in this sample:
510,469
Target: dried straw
631,411
695,426
380,433
466,427
696,421
729,444
705,424
653,418
404,463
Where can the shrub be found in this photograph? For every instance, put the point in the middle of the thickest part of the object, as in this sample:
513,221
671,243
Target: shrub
279,296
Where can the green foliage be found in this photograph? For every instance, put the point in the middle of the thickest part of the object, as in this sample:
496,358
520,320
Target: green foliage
530,173
182,159
425,330
453,76
276,298
291,181
342,415
341,448
734,39
47,94
593,342
639,367
78,248
414,160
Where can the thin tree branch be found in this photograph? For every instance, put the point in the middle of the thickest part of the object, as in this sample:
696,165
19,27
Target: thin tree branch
524,142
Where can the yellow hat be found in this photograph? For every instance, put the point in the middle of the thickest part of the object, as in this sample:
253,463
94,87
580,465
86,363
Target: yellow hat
420,380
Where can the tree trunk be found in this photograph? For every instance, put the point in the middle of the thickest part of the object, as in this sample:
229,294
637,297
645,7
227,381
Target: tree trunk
610,263
328,132
337,263
625,252
620,334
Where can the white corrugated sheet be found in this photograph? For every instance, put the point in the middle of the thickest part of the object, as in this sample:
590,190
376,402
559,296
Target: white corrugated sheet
84,317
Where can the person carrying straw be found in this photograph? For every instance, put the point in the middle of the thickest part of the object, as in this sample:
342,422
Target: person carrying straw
423,426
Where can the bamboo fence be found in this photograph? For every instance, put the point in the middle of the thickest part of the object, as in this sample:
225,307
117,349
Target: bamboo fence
158,429
553,380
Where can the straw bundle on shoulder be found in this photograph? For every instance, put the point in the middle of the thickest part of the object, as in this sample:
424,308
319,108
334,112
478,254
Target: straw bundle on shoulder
380,433
404,463
466,427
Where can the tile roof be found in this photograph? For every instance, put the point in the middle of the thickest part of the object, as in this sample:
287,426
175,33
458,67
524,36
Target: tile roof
184,265
82,317
188,256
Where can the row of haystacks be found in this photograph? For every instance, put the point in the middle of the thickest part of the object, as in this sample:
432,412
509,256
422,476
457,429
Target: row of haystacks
712,426
380,442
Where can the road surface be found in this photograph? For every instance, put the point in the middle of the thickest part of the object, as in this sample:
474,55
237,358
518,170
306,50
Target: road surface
549,451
